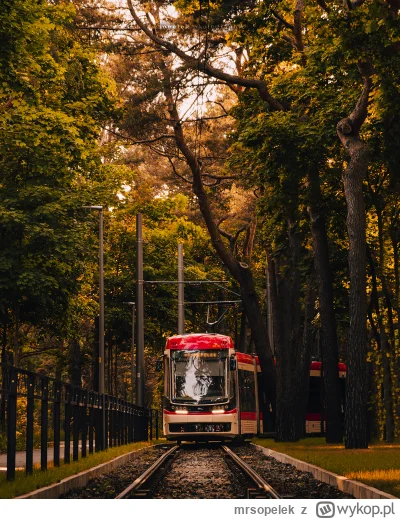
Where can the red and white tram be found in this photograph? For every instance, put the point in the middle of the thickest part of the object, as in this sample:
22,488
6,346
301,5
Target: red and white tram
210,389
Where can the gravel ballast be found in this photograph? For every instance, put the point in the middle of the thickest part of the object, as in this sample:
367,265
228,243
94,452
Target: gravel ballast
201,472
110,485
289,482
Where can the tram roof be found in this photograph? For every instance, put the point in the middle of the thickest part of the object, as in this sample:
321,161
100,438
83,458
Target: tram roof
202,341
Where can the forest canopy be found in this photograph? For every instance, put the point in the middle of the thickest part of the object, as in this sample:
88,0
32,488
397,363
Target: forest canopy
264,136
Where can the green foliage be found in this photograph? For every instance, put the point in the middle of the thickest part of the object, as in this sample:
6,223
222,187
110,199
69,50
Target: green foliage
53,97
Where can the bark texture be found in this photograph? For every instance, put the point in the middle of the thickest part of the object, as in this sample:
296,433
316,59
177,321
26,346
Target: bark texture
329,347
356,386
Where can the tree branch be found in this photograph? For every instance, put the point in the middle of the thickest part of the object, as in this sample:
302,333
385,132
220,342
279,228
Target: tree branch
205,67
350,126
298,26
282,20
133,141
177,174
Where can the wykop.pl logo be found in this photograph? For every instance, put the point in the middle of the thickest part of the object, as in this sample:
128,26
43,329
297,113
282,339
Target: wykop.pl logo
325,509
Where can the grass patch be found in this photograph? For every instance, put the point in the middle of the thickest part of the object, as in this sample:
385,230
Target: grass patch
27,483
377,466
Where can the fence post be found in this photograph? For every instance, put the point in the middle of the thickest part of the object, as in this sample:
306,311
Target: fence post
151,423
44,428
97,426
85,397
91,423
67,424
116,422
146,425
57,422
29,423
135,425
106,422
157,433
130,424
12,425
75,430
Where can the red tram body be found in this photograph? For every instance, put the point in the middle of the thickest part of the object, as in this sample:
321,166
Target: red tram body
315,421
212,391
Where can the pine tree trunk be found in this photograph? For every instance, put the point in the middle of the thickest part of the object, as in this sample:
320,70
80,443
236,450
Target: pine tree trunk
329,348
356,383
353,176
302,368
387,388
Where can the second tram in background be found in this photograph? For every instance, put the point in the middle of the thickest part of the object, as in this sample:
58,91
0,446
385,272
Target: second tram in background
212,391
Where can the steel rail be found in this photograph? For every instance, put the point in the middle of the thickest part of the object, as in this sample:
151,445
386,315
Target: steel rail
140,482
264,489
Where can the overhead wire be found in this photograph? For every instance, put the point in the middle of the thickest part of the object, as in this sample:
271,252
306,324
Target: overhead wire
194,264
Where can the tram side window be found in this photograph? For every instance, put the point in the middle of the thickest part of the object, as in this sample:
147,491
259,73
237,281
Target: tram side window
247,391
232,388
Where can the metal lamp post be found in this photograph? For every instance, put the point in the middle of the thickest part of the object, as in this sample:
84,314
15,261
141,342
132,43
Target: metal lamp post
133,349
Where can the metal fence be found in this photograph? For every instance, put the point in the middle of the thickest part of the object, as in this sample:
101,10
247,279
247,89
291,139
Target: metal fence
37,411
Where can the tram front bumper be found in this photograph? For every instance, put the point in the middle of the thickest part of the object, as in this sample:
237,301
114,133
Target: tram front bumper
204,424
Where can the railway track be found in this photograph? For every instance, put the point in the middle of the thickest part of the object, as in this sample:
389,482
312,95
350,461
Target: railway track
144,486
259,488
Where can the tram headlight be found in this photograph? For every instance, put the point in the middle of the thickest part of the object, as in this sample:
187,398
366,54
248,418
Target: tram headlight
218,409
181,410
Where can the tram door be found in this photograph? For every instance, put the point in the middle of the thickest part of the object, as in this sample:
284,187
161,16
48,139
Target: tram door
248,406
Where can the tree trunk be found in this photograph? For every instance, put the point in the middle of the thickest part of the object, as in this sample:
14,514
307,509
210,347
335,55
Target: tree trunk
116,371
383,344
16,336
303,359
243,332
387,387
240,271
75,363
395,244
356,384
291,360
388,342
329,348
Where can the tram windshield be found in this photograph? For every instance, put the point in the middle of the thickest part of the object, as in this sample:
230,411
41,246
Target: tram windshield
199,376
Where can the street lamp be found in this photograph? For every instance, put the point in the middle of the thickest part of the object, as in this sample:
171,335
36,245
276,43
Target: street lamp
99,208
133,348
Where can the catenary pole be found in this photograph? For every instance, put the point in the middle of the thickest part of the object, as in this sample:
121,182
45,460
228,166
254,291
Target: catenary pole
132,304
140,313
133,355
181,292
